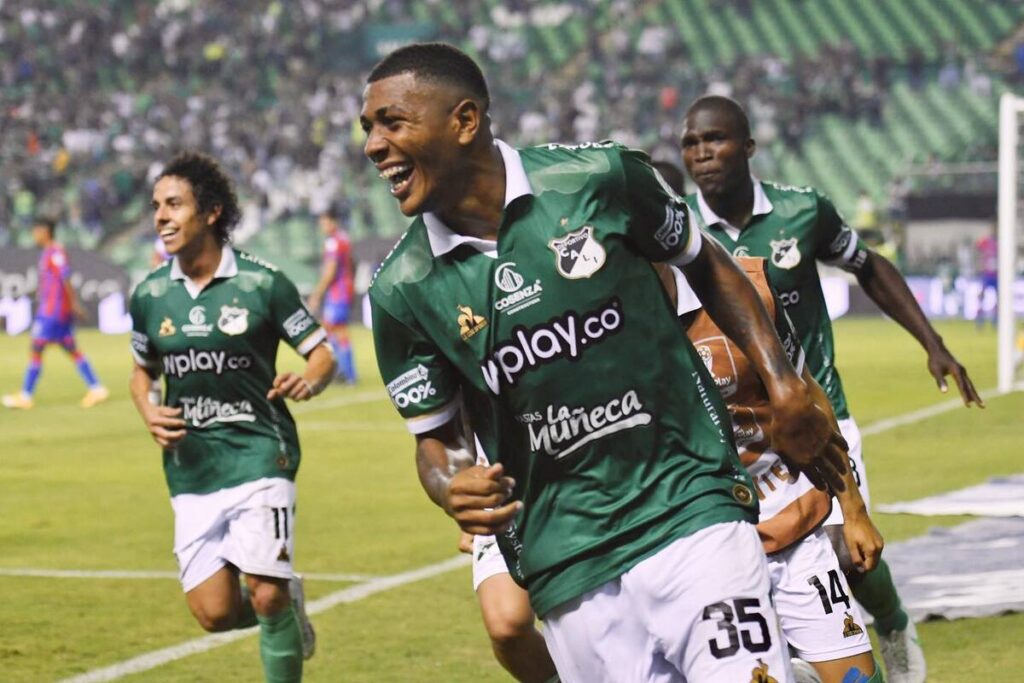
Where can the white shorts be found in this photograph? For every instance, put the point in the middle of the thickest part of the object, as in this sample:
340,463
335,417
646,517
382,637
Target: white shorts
487,560
699,610
819,617
851,433
250,526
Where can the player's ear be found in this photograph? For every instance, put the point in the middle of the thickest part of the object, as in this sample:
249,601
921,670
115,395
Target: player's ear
467,119
214,214
750,146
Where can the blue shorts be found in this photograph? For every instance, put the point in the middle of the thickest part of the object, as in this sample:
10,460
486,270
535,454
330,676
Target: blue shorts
989,281
51,330
336,312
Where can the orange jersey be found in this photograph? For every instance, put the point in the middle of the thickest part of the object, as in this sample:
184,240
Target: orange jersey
790,505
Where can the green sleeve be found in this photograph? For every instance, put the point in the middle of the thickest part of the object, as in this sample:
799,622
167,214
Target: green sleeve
659,220
837,244
421,382
296,325
143,351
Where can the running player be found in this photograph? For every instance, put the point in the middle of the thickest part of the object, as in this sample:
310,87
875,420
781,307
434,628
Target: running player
515,296
818,619
334,291
793,228
210,320
56,309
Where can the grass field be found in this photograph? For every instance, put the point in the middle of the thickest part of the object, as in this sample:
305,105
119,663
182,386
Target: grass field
83,490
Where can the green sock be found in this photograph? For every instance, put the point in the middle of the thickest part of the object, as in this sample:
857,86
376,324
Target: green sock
246,614
877,593
281,647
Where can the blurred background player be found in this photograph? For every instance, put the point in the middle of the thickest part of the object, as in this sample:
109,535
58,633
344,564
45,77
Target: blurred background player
986,250
56,308
210,321
334,290
793,228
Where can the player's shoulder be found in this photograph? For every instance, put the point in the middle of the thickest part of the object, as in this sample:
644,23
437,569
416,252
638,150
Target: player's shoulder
409,262
252,263
791,200
569,168
155,283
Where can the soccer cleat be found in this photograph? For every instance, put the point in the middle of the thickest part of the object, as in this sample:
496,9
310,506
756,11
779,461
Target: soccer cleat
97,394
903,656
804,672
20,400
298,594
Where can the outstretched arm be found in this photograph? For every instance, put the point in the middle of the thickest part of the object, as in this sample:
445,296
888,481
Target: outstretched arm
887,288
802,432
472,495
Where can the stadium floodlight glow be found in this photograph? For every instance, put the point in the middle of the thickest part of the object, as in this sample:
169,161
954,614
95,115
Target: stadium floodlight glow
1010,109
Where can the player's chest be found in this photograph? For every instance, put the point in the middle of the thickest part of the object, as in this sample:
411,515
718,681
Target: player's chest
223,319
787,247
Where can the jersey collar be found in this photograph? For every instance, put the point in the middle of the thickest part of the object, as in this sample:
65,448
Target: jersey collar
227,268
443,239
762,206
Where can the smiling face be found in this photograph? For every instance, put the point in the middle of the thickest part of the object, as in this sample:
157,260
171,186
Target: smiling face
177,219
416,135
716,151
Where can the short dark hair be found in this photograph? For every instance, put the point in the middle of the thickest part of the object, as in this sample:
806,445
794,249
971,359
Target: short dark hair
723,105
210,186
48,222
436,62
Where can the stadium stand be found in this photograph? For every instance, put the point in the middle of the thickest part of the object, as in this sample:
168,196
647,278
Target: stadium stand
846,95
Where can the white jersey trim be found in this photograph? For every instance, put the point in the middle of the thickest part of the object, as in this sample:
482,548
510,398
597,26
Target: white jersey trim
441,416
311,342
851,249
693,246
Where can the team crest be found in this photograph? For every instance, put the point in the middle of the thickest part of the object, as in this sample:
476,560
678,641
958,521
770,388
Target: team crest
469,324
785,253
741,252
167,328
850,627
233,320
578,254
759,674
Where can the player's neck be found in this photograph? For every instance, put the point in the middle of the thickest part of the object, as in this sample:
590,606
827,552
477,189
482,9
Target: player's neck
735,205
480,199
200,264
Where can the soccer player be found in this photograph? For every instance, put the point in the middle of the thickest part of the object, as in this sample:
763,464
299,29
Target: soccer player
812,596
524,295
56,309
334,291
210,321
793,228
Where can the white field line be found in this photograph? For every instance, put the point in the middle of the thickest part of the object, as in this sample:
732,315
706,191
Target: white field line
156,658
32,572
344,400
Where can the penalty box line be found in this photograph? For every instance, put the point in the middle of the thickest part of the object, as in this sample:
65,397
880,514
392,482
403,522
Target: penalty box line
156,658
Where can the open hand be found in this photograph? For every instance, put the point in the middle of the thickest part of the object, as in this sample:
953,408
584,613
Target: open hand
942,363
804,436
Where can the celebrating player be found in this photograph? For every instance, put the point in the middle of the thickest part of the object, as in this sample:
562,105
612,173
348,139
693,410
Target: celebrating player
516,295
334,291
793,228
56,308
210,321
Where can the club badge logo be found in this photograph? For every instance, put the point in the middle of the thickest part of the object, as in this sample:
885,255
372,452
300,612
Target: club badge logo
233,320
785,253
578,255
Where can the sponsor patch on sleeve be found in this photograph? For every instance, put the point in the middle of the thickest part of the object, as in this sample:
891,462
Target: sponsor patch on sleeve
298,322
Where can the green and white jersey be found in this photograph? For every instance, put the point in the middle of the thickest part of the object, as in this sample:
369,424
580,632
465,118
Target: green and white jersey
564,349
217,348
793,228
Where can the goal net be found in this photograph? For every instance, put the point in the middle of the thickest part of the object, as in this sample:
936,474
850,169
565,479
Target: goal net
1011,341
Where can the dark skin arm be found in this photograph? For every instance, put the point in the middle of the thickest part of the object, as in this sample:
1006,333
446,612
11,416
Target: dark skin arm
802,432
472,495
887,288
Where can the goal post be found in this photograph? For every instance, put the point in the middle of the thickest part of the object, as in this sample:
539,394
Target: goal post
1010,109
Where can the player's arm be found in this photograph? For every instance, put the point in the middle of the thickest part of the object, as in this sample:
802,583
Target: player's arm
881,281
802,433
473,495
163,422
76,305
327,274
863,541
320,367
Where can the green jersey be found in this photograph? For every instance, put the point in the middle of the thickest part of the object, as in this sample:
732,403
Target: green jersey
793,228
563,348
216,348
